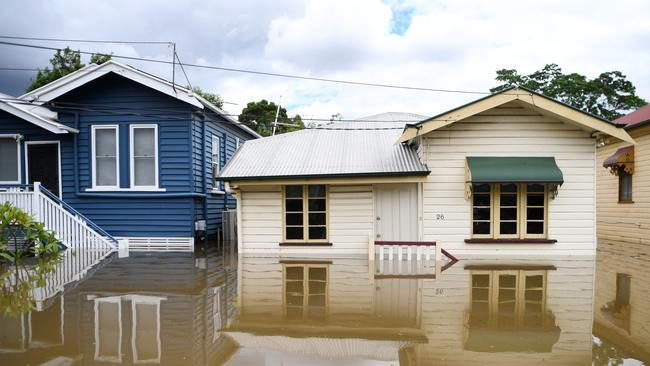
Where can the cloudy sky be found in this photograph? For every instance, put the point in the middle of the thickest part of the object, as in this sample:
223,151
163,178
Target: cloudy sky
423,43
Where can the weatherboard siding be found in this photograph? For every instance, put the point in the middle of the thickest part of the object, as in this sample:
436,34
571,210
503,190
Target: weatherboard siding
350,220
129,103
10,124
217,202
626,223
510,130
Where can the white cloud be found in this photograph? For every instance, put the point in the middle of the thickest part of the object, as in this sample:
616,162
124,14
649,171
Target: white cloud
449,44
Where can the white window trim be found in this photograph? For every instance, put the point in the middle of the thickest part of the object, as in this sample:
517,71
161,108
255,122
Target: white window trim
149,300
216,147
118,301
16,138
94,157
58,143
216,313
132,156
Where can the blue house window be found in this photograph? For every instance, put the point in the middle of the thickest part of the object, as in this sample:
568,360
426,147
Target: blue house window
105,155
9,159
144,156
216,162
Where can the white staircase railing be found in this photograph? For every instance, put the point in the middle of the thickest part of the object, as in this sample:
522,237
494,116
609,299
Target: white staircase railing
70,227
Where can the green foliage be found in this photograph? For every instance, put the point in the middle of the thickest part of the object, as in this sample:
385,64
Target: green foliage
609,96
62,63
261,115
21,235
18,281
210,97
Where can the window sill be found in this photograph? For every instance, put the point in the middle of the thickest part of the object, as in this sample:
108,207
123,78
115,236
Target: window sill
305,244
510,241
126,189
626,202
217,191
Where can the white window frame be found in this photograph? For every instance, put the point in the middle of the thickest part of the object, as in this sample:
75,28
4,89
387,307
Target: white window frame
94,157
216,165
29,143
116,300
146,300
132,129
16,138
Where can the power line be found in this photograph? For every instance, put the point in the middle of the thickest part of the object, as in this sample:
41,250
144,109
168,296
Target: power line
178,114
17,69
255,72
83,40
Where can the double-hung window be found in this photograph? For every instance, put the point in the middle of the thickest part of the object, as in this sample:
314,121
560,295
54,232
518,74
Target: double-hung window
144,156
105,156
216,161
509,210
305,213
9,159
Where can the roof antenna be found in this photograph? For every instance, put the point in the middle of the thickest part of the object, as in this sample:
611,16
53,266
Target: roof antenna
277,113
174,66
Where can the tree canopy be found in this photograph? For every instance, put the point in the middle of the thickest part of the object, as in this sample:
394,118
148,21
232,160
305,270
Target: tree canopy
260,116
610,95
210,97
62,63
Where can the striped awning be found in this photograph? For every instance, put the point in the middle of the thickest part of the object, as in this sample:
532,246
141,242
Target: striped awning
623,158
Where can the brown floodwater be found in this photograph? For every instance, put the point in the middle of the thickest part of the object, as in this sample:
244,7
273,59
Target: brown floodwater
212,307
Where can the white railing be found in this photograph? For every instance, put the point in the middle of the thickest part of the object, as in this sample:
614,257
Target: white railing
396,259
70,227
72,267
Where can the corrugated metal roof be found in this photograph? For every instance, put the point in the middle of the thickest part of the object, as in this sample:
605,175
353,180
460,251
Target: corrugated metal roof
635,118
354,148
34,113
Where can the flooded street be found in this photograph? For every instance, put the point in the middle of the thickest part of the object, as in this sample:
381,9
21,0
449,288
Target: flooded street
212,308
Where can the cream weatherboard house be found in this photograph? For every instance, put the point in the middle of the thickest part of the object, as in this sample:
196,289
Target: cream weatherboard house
622,295
513,171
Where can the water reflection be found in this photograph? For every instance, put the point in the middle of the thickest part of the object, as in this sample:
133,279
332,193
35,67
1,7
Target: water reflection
622,303
213,308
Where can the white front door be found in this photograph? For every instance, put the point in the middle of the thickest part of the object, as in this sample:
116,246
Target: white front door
396,212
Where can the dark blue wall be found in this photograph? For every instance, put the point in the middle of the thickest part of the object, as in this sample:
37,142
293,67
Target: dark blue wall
184,158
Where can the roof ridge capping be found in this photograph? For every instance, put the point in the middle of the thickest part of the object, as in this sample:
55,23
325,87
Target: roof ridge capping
550,106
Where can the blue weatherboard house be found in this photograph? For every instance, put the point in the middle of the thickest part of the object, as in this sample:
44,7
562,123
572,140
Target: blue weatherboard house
133,153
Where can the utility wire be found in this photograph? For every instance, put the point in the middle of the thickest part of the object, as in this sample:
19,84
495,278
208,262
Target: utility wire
256,72
182,115
83,40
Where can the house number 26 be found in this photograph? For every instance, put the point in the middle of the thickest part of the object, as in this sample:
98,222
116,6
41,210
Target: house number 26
440,216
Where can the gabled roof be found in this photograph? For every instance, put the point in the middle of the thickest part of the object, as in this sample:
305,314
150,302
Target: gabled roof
91,72
635,119
342,149
534,100
35,114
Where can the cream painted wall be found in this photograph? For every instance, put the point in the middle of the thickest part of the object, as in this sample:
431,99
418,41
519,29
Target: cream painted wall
510,130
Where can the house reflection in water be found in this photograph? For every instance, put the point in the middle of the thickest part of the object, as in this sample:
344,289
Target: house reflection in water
198,309
166,308
622,314
502,311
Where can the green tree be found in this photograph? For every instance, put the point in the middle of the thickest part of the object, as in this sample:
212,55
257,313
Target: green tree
62,63
610,95
210,97
260,116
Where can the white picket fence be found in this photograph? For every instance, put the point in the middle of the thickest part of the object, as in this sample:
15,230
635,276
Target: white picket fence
69,226
404,259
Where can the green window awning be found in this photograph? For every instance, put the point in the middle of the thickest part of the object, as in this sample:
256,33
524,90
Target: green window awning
489,169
